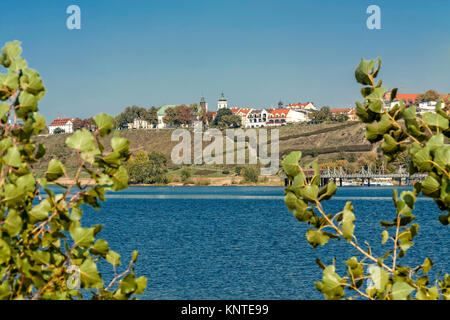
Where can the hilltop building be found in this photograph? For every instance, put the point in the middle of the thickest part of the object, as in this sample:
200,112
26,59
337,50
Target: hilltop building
307,107
280,104
349,112
222,103
161,114
279,117
139,123
242,113
203,104
257,118
409,99
65,124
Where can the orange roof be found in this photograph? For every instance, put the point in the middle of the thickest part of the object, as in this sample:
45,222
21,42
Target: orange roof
243,111
407,96
60,122
278,113
299,105
338,110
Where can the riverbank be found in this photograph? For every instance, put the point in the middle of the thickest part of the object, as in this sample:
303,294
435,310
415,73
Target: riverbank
267,181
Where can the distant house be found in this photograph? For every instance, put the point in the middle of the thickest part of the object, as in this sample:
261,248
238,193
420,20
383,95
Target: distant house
349,112
139,123
279,117
308,106
257,118
409,99
65,124
352,115
161,114
242,113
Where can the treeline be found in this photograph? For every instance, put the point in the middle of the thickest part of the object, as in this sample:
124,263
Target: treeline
130,113
179,116
324,114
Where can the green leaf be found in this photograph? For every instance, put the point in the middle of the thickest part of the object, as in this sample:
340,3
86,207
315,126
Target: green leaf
430,187
40,211
377,94
331,285
379,277
83,237
128,284
310,193
14,194
105,124
347,222
427,264
12,157
5,252
384,236
120,145
113,258
290,163
41,257
11,81
435,120
13,224
4,109
100,247
81,140
55,170
363,71
141,285
409,198
355,269
401,290
120,179
28,101
134,256
316,238
442,157
389,144
89,275
12,49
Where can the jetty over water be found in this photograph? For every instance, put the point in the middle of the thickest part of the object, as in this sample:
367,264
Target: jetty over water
365,174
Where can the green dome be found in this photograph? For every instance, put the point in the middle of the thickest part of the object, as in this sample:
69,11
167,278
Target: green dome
222,98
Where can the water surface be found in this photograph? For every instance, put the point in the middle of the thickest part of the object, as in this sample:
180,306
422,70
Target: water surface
241,242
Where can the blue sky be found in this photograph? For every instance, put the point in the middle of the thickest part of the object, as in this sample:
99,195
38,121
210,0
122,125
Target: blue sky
171,52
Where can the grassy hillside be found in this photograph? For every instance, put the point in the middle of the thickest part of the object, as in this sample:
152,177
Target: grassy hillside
325,141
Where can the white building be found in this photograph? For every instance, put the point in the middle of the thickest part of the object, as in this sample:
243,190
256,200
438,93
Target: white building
307,107
279,117
257,118
161,114
65,124
222,103
139,123
426,106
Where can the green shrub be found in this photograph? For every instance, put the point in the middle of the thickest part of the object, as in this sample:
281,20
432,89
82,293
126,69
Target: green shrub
185,173
42,241
250,174
371,275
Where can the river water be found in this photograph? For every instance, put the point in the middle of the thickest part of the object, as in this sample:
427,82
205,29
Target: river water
242,242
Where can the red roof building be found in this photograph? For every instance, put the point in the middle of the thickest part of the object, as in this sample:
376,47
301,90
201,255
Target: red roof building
65,124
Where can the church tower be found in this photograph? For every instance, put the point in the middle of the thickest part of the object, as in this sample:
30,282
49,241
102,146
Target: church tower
203,104
222,103
280,105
